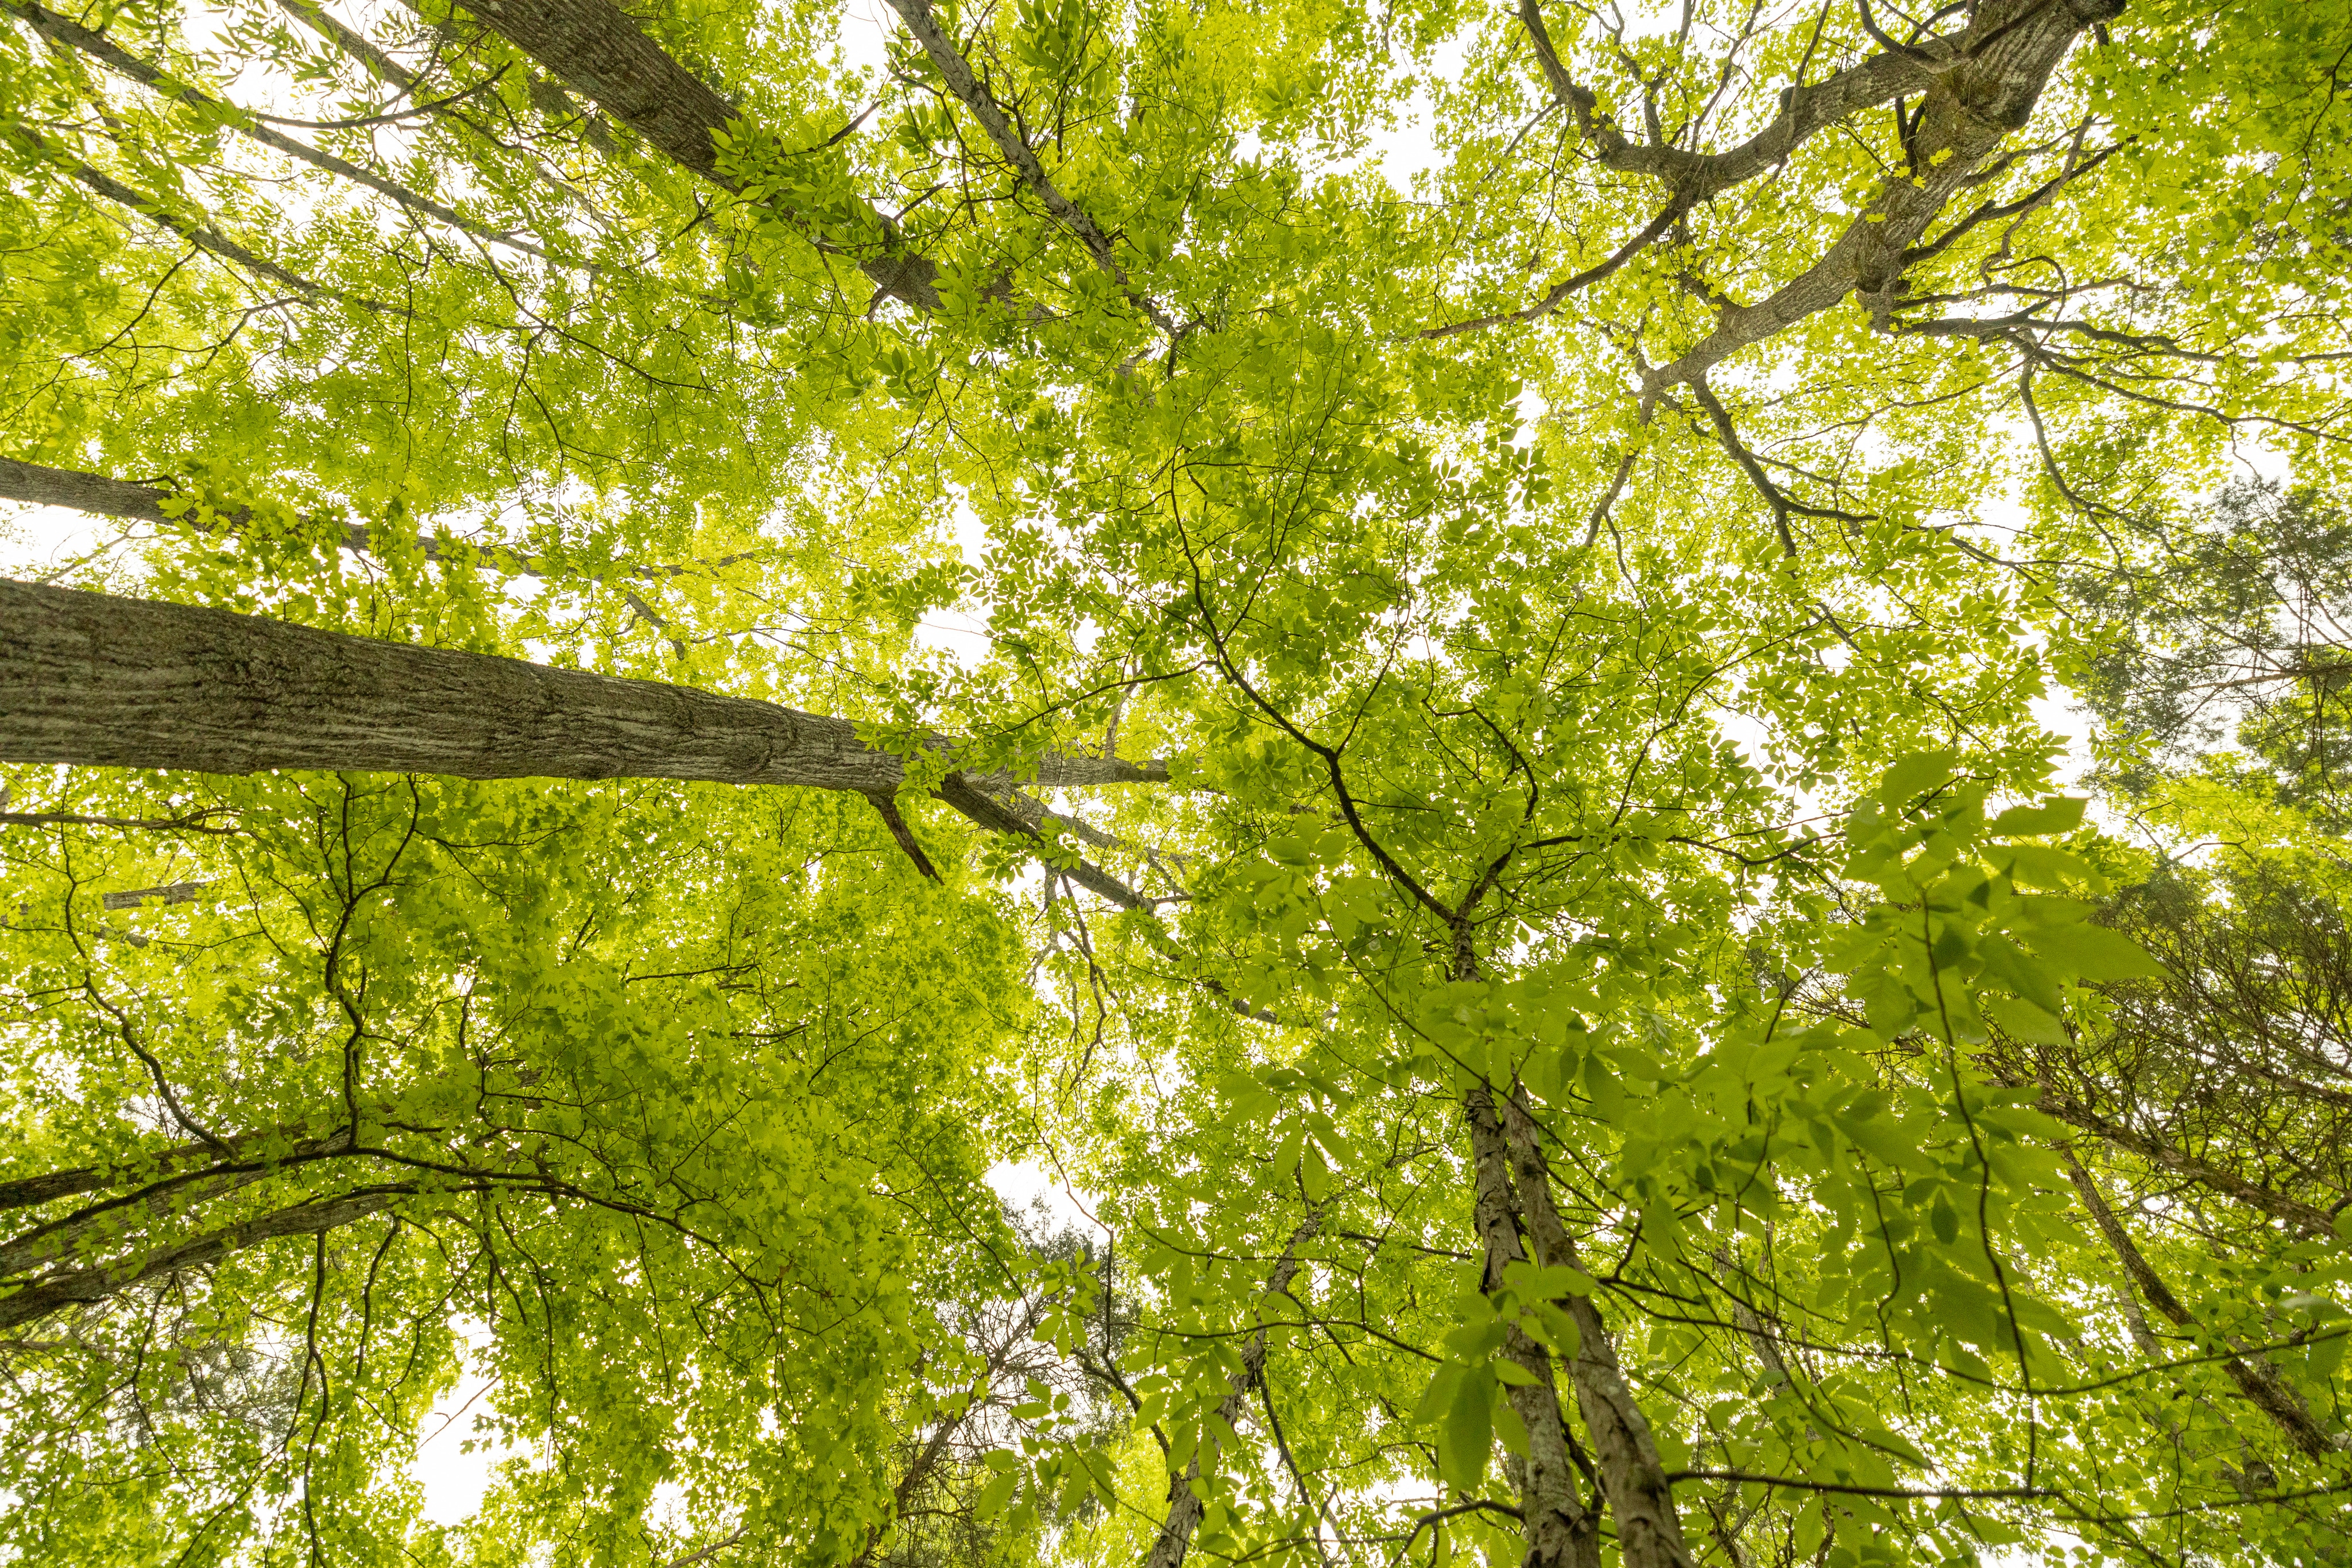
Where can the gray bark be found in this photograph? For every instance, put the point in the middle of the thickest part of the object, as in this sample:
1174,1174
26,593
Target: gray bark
1634,1478
2255,1378
1981,86
85,1286
1561,1531
595,49
97,680
1184,1508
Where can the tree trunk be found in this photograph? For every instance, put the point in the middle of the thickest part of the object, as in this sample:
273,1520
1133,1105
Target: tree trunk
1184,1506
595,49
1641,1499
1561,1532
2255,1378
97,680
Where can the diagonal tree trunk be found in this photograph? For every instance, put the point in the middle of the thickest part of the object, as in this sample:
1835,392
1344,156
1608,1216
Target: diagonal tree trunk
1184,1506
97,680
595,49
2255,1377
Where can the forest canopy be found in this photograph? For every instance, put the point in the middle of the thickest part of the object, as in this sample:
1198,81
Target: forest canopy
1619,729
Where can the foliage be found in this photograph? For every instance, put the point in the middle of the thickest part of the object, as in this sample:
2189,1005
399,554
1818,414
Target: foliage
1611,1043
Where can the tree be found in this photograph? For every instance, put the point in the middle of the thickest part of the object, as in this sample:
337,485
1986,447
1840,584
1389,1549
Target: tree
1592,1039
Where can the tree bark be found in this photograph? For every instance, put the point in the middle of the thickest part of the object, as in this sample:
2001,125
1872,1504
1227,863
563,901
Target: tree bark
1983,89
1184,1506
1641,1499
2255,1378
97,680
1561,1531
595,49
85,1286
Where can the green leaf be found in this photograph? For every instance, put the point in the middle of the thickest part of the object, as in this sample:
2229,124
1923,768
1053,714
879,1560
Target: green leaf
1465,1433
1909,777
2023,1020
2058,814
2010,965
996,1494
2095,953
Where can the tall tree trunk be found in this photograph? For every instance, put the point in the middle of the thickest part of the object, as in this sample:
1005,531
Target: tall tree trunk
1641,1500
99,680
1184,1506
595,49
1561,1531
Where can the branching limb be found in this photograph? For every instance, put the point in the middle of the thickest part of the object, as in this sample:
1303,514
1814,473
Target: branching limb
2254,1378
67,34
975,96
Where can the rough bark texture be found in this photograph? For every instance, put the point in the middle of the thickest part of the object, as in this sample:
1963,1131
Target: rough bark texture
1981,86
1561,1531
1184,1506
95,1284
93,493
595,49
2255,1378
1632,1477
97,680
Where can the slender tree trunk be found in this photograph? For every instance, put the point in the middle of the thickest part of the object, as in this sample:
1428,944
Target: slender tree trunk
1641,1499
1561,1531
1184,1506
2255,1377
93,679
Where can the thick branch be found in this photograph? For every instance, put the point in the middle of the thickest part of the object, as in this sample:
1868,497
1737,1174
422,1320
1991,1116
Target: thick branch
597,50
1974,99
1804,110
95,1284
